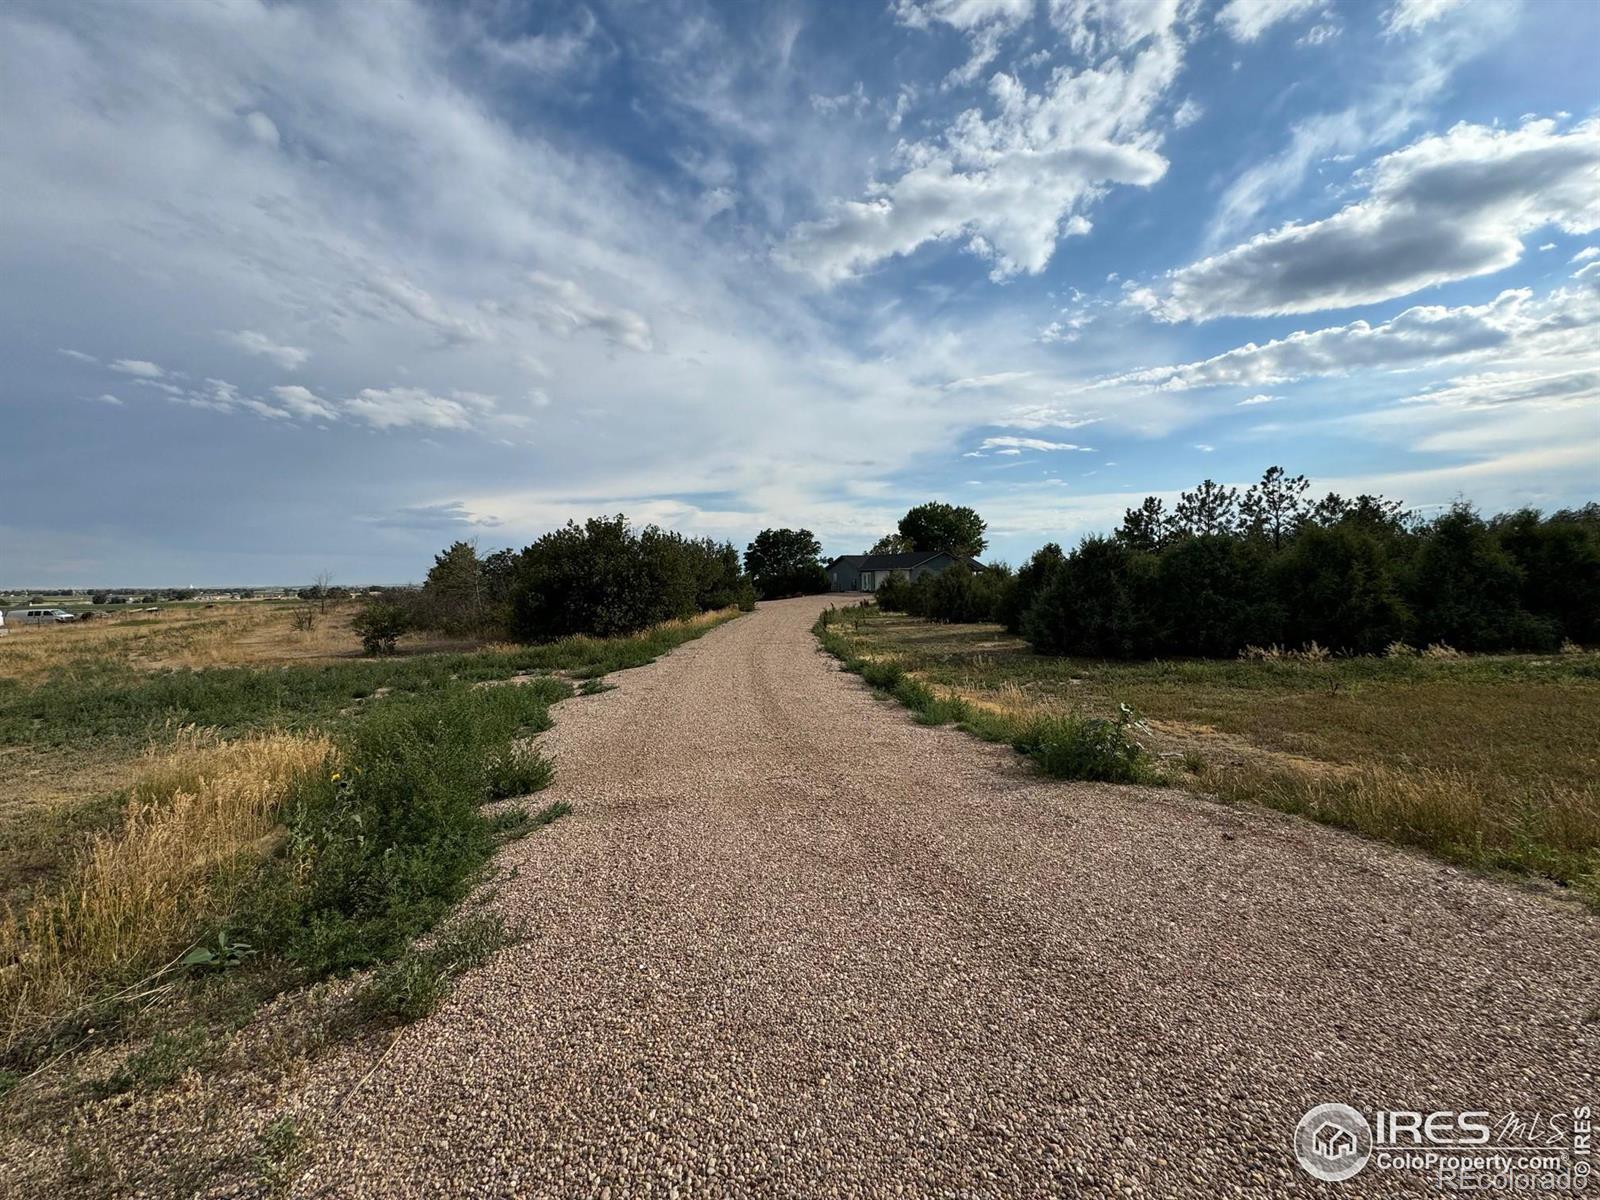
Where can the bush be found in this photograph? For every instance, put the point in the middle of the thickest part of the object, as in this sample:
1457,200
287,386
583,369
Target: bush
893,594
1074,747
380,626
389,836
1021,590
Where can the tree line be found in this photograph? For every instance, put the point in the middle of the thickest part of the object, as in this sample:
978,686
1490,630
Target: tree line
604,577
1223,570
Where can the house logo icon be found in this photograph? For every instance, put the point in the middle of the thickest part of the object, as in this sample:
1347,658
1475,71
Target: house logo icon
1332,1142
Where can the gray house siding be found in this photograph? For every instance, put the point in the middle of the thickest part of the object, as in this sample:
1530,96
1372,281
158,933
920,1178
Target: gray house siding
864,572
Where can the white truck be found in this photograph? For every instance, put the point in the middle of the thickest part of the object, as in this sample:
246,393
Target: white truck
37,616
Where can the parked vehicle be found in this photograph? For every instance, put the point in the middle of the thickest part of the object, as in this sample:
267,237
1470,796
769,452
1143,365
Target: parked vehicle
40,616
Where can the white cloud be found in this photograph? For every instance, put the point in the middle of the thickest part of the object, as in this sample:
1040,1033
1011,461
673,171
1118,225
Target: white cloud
1204,447
399,407
1447,207
1011,184
1258,398
1491,389
80,356
108,398
1564,321
1583,255
568,307
138,367
251,342
1015,445
1247,20
996,379
262,128
1408,16
1319,34
304,403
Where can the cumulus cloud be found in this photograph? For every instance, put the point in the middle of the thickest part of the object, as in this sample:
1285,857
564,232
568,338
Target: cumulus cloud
1258,398
1562,322
1247,20
1448,207
137,367
1009,185
1583,255
251,342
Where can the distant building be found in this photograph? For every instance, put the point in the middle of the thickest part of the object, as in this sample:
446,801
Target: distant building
864,572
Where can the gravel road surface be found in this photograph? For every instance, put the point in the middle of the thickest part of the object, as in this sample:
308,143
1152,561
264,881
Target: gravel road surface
790,943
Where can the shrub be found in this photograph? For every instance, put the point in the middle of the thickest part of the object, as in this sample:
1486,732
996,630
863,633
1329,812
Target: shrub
1075,747
893,594
380,626
390,836
957,594
413,984
1020,591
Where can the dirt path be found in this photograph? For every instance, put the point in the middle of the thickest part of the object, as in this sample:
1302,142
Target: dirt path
791,943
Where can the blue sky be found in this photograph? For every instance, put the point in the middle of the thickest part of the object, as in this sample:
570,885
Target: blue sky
302,287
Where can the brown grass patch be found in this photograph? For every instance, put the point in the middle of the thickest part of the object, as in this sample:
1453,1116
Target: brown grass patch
135,896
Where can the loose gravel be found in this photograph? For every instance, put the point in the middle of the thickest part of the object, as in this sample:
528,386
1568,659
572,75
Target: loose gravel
790,943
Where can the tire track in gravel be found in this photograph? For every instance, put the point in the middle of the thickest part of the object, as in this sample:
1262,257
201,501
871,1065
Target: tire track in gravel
791,943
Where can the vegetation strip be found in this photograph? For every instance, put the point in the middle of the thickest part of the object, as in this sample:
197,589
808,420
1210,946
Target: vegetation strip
1486,761
241,868
1064,746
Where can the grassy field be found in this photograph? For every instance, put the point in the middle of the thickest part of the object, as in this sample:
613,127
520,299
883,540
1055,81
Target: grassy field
1490,761
216,810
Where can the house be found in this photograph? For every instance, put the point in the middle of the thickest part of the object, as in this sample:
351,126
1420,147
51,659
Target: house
864,572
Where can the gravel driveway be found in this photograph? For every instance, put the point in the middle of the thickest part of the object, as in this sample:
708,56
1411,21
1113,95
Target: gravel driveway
791,943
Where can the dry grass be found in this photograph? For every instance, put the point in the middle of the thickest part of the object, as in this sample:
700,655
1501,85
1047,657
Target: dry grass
1481,759
198,819
238,634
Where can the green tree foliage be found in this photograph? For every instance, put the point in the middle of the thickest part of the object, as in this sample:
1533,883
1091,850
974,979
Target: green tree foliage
1148,527
1560,564
1353,575
601,578
1275,507
890,543
1209,509
454,592
935,526
1467,590
1019,593
785,562
1096,602
957,594
1338,586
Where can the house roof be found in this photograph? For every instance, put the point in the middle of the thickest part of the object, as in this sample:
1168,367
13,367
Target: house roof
890,562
